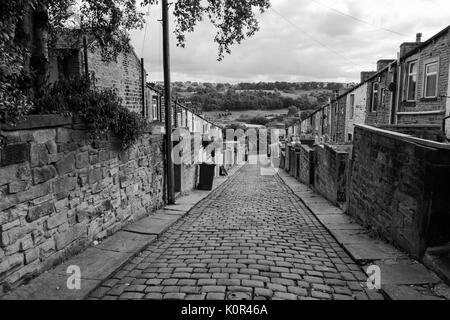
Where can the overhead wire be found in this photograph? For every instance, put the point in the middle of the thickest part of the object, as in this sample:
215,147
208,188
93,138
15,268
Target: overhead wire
314,39
358,19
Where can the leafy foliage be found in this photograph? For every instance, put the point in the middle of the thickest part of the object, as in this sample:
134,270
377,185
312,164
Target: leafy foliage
29,29
234,20
101,109
13,101
254,120
232,100
292,111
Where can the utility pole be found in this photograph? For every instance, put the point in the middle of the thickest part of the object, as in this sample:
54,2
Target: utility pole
167,100
143,80
86,58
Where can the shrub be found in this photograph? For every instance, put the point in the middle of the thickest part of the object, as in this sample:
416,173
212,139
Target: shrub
101,109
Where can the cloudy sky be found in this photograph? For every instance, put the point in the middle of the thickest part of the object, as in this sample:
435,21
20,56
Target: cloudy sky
299,40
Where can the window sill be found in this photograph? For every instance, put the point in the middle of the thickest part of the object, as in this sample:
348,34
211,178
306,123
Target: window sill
410,104
435,99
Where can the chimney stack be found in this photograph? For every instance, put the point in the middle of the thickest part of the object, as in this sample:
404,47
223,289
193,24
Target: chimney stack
381,64
418,38
407,47
365,75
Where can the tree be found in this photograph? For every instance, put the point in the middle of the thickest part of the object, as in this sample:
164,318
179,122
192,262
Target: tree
292,111
28,29
304,115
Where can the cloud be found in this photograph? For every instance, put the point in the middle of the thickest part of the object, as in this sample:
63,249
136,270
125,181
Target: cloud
310,41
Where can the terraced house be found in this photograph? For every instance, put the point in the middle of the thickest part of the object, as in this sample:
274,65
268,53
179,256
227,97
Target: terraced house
408,95
381,150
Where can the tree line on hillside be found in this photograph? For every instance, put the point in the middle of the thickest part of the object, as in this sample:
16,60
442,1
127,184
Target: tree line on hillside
272,86
211,100
290,86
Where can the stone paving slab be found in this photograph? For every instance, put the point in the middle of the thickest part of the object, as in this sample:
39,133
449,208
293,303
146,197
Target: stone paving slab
323,205
170,212
370,251
125,242
151,225
407,273
179,207
403,292
50,286
332,219
193,198
94,263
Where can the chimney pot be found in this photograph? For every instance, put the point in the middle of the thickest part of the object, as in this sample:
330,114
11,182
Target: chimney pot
418,37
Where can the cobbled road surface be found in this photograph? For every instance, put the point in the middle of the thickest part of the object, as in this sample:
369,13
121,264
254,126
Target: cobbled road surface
252,238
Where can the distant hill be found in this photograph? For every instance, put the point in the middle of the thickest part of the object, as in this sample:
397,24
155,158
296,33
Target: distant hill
256,96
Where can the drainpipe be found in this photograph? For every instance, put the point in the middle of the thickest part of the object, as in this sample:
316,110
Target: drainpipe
443,124
86,58
444,121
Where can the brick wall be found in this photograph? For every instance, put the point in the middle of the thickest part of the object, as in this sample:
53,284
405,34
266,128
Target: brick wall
399,187
358,114
59,191
338,116
381,113
123,75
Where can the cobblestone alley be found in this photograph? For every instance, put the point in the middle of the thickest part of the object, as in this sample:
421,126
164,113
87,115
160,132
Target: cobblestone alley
250,239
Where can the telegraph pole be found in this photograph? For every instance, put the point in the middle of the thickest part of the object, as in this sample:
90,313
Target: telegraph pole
167,102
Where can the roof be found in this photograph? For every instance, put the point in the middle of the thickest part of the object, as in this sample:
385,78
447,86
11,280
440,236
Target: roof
426,43
158,91
409,54
351,90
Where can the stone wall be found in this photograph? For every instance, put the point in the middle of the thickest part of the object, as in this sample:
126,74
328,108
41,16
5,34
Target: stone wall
60,191
431,132
323,167
330,173
399,188
306,170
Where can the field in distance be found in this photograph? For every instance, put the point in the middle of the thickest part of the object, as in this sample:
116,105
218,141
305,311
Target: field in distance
245,113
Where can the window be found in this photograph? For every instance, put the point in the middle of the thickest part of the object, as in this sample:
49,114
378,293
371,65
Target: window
155,107
412,81
431,79
383,96
352,106
374,104
350,137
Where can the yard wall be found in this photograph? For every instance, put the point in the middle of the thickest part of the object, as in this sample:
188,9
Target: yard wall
306,170
330,173
60,191
399,188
